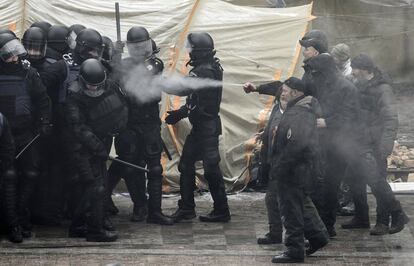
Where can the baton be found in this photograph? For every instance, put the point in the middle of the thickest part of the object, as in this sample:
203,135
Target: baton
128,164
27,146
167,152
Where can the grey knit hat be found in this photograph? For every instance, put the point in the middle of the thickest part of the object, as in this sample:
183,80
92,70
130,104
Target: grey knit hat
341,51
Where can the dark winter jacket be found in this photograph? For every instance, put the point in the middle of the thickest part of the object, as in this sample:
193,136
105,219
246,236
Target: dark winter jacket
379,113
295,143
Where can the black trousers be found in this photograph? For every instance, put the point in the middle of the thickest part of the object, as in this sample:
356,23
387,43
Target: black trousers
142,146
386,201
300,219
90,192
343,153
205,148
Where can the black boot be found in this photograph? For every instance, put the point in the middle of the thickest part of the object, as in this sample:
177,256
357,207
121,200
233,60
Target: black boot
8,195
155,214
137,186
77,231
315,245
379,229
108,225
356,223
110,207
15,234
398,220
101,236
114,173
268,239
216,216
159,218
286,258
181,214
139,214
331,232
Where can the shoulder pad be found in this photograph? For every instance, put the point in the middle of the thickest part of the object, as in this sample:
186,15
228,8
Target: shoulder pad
25,64
68,59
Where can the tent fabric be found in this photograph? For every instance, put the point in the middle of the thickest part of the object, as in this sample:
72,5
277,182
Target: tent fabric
253,44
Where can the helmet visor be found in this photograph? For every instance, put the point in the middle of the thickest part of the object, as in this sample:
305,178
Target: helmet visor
87,52
71,40
12,48
93,90
140,49
35,50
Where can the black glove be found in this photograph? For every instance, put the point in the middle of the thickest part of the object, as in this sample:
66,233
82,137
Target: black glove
176,115
46,129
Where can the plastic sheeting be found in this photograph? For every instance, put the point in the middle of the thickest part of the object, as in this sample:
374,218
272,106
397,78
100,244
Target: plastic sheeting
254,44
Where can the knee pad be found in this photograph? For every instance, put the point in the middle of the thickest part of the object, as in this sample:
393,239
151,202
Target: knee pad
155,171
10,176
185,167
31,174
98,191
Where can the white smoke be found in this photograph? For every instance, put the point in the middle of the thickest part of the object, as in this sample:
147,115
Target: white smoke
145,87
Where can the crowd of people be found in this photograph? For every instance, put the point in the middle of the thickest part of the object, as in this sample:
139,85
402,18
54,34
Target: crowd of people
336,125
64,100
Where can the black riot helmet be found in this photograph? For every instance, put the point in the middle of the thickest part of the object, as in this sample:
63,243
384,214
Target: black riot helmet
35,42
139,43
57,38
10,46
317,39
44,25
109,48
200,47
92,77
8,31
73,33
89,44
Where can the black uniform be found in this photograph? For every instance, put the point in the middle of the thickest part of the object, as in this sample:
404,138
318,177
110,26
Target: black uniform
8,178
141,144
91,122
292,165
202,108
24,101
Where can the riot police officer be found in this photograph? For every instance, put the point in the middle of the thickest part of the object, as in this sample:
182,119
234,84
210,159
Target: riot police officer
24,101
8,182
44,25
141,143
35,42
72,35
202,108
57,44
93,112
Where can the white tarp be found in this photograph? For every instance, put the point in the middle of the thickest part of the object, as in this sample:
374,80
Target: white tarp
254,44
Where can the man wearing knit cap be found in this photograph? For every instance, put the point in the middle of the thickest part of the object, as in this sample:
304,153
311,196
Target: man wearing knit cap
294,147
341,53
314,43
379,115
